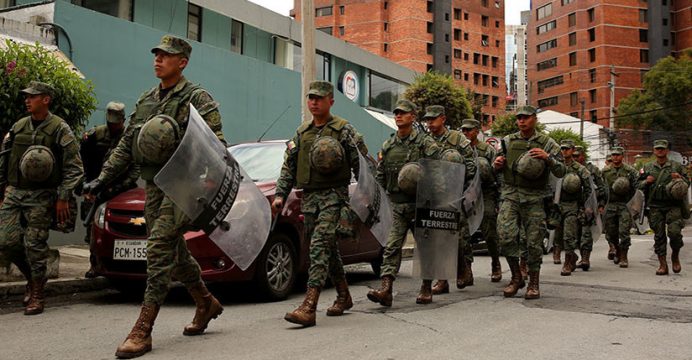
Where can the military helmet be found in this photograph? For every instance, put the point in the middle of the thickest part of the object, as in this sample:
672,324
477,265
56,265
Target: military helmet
571,183
326,155
158,139
677,189
37,163
485,169
529,167
621,186
451,155
409,175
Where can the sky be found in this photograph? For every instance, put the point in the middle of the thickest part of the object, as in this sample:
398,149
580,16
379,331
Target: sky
513,8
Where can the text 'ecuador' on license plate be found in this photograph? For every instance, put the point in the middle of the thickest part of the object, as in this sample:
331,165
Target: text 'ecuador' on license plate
130,250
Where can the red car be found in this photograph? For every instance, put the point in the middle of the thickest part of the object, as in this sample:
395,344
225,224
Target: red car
120,235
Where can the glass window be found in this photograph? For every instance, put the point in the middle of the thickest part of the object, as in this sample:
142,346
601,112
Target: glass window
572,19
194,22
643,55
457,14
261,161
547,102
544,11
384,92
547,64
643,35
7,3
572,59
643,15
592,55
117,8
592,14
573,99
236,36
572,39
323,11
547,45
326,30
592,34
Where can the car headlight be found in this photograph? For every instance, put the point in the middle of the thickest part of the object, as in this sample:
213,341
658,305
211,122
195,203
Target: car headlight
100,216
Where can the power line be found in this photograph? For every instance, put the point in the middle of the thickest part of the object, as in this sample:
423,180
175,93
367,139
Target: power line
625,115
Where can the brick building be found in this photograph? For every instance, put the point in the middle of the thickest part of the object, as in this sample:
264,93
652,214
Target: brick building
573,46
463,38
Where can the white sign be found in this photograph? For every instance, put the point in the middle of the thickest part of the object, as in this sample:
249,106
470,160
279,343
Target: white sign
350,85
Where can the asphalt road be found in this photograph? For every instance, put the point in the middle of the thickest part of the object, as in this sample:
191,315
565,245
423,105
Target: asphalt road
606,313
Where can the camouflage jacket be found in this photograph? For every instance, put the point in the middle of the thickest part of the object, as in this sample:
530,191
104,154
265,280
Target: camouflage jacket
453,139
612,173
175,104
573,167
96,146
489,153
656,193
601,188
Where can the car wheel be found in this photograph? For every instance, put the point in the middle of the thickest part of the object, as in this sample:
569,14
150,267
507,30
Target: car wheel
275,272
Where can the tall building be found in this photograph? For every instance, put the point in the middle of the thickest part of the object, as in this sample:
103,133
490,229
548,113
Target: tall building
517,81
463,38
590,54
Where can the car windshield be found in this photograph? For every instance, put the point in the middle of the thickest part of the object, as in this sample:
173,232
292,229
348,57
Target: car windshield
262,161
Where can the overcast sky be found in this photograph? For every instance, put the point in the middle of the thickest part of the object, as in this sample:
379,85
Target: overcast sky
512,8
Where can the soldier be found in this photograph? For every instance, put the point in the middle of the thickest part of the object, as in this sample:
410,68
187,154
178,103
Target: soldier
435,119
96,146
620,178
39,169
586,237
319,159
665,186
525,165
491,193
160,115
576,188
608,161
406,146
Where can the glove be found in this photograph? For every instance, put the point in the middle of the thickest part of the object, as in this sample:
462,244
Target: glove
93,187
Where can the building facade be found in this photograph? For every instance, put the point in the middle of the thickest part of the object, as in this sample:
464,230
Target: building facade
463,38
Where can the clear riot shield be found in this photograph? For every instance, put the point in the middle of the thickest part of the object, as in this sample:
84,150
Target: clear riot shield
370,202
438,213
210,187
473,203
592,215
636,209
555,184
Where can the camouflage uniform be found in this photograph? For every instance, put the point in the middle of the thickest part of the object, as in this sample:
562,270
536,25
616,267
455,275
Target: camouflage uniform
618,220
491,190
586,239
571,205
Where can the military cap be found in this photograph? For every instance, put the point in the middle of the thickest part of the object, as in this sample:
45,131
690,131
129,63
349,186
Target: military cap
434,111
37,87
617,151
174,45
405,106
578,149
115,112
609,157
660,144
527,110
321,88
470,124
567,143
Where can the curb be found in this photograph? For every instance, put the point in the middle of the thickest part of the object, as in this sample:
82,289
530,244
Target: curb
56,287
407,252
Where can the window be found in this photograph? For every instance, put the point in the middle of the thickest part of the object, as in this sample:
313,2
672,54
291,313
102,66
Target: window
326,30
429,48
643,55
643,15
236,36
386,4
457,74
548,83
484,3
194,22
546,27
565,2
551,63
446,59
544,11
592,95
592,14
117,8
572,59
592,34
573,98
484,20
429,27
497,43
495,81
342,9
457,14
574,114
494,61
457,53
547,102
643,35
384,92
592,55
466,76
485,60
665,22
476,58
547,45
386,47
665,42
430,6
466,16
485,80
446,37
323,11
457,34
429,67
572,39
342,30
592,75
572,19
495,101
466,36
476,78
446,16
466,56
484,40
386,26
593,114
497,23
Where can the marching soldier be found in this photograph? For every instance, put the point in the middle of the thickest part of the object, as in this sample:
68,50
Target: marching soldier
586,237
319,159
529,158
620,178
39,169
664,183
406,146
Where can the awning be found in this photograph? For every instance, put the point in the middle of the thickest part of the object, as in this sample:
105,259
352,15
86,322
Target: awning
383,118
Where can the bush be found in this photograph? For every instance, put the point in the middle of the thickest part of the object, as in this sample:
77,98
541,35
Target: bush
74,98
433,88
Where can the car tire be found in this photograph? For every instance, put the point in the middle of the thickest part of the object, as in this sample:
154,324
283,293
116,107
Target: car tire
276,268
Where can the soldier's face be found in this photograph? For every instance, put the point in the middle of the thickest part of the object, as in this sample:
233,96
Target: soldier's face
168,65
567,152
616,159
526,122
436,125
404,119
470,133
319,105
661,152
36,103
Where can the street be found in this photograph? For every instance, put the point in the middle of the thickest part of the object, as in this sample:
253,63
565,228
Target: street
605,313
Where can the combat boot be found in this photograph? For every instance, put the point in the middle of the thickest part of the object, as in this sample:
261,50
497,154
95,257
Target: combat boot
305,313
496,270
616,257
208,308
383,296
556,255
425,294
517,281
611,251
27,294
675,259
138,342
566,267
25,269
533,292
585,263
468,274
623,258
37,298
663,265
440,287
523,268
343,300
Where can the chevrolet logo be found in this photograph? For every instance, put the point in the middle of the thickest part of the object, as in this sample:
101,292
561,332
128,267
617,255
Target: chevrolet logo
138,221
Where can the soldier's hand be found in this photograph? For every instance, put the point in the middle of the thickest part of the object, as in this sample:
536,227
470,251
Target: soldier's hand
675,175
277,205
650,179
499,162
62,209
93,187
538,153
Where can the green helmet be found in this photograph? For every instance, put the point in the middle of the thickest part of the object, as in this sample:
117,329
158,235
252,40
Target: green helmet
621,186
37,163
158,139
409,175
451,155
485,169
571,183
326,155
529,167
677,189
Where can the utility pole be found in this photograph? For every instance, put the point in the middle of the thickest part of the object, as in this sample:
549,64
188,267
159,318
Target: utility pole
581,123
611,85
308,50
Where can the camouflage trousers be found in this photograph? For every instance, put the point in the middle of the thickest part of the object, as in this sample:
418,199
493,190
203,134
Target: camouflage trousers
618,222
403,218
585,235
25,217
322,210
167,254
670,219
489,225
566,235
526,218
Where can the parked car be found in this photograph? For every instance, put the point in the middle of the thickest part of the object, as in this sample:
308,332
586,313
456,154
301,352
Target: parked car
120,235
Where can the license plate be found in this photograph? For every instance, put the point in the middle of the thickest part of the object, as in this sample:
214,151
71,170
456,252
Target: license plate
130,250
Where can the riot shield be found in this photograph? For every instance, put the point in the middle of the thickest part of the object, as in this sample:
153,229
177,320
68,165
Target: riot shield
210,187
473,203
636,207
438,215
592,216
370,202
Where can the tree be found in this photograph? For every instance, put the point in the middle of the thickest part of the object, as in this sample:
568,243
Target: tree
434,88
74,100
668,87
507,124
566,134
